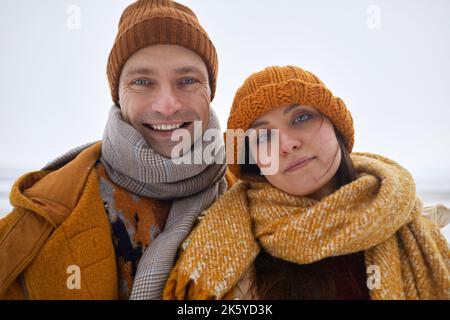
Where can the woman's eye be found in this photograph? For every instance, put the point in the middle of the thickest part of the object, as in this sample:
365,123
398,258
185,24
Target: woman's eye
141,82
188,81
302,118
262,138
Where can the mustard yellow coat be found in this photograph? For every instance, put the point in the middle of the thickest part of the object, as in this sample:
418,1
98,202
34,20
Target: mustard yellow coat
59,221
62,209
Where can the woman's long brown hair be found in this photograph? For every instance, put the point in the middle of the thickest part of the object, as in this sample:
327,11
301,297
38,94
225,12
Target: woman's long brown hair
279,279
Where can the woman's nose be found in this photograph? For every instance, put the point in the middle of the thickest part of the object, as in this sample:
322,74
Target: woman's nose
288,144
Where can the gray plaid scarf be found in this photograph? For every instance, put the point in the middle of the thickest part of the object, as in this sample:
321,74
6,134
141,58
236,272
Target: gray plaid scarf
134,166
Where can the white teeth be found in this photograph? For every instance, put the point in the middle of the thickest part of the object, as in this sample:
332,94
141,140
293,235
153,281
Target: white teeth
166,127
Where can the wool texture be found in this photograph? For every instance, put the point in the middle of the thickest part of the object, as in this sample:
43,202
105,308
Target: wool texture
378,214
82,240
192,188
135,223
134,166
283,86
150,22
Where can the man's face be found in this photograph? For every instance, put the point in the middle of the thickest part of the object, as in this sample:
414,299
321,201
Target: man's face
163,88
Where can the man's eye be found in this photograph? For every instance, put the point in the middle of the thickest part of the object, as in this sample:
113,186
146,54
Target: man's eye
188,81
141,82
302,118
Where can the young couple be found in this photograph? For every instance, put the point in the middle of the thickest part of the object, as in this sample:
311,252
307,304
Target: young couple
329,223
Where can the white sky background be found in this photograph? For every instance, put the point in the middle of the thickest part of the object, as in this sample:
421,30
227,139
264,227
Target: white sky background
395,80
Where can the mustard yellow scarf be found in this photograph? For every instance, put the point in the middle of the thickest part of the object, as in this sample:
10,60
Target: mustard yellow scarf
378,213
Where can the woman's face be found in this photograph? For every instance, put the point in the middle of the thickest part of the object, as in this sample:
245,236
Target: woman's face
308,154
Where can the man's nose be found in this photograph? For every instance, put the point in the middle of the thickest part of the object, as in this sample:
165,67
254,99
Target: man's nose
288,144
166,102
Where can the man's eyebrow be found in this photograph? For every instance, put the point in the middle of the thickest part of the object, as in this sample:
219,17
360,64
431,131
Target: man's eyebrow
187,69
142,71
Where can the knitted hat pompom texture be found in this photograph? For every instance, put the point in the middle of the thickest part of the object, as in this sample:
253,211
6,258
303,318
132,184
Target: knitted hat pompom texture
150,22
282,86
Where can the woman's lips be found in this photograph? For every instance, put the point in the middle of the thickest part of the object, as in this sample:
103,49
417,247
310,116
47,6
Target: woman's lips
298,164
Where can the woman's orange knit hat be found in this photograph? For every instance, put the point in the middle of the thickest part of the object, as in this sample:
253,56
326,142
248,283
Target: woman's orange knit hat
149,22
281,86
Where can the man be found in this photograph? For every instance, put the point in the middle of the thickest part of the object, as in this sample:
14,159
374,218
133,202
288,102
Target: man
105,220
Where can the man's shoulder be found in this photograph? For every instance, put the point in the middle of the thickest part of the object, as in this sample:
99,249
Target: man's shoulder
55,190
42,201
87,150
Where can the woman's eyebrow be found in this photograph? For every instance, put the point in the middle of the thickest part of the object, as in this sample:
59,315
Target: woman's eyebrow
290,108
285,111
258,123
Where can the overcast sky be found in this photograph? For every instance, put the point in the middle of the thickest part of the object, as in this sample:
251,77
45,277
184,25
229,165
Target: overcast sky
388,60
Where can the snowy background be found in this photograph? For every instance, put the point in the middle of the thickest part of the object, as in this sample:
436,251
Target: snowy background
388,60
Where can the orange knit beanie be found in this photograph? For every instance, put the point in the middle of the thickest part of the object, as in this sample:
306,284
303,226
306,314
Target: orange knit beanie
281,86
149,22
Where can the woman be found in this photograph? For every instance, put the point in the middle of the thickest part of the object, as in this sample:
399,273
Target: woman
326,224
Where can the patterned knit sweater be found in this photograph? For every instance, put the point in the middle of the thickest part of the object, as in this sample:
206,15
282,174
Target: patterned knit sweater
135,222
